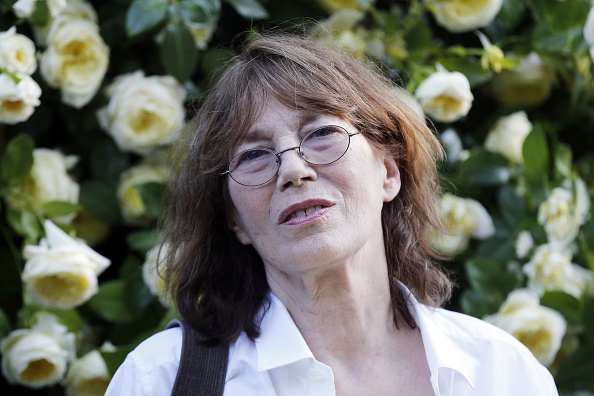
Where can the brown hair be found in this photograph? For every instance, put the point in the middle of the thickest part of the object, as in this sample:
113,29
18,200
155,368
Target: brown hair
219,285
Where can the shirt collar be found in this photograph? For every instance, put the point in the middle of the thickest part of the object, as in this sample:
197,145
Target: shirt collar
280,343
441,350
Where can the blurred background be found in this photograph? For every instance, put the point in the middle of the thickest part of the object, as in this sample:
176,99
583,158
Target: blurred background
93,94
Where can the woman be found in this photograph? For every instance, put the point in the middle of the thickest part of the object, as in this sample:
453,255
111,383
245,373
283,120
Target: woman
297,225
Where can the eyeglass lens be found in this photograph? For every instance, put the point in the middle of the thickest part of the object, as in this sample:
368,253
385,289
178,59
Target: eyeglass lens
321,146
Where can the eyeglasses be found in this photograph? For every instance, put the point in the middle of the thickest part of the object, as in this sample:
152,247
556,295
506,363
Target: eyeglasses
259,165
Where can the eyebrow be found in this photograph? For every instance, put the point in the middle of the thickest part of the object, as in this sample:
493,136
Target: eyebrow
305,118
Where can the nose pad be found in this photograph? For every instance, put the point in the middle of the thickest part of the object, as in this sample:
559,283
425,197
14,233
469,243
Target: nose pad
293,170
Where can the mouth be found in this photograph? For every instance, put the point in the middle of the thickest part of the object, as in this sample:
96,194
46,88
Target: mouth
303,209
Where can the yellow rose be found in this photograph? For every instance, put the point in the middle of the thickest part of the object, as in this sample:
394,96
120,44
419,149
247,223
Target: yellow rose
61,272
75,60
562,214
445,96
143,112
17,52
49,181
37,357
464,15
550,268
152,276
507,136
87,376
132,206
528,84
540,328
465,218
18,99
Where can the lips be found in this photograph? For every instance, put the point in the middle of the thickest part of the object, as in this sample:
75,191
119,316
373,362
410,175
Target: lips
302,209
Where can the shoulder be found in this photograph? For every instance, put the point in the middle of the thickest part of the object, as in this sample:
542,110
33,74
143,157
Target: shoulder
485,354
150,369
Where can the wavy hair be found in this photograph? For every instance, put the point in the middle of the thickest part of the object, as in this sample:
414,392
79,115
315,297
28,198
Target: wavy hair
219,285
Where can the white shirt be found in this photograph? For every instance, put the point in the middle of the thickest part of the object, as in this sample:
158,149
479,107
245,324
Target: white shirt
466,356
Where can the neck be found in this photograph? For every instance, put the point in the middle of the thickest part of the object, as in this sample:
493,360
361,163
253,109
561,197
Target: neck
343,311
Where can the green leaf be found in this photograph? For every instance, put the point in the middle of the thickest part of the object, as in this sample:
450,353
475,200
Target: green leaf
536,156
41,14
17,160
144,15
511,205
142,240
249,9
60,208
498,248
484,168
151,194
511,13
199,11
567,305
488,277
101,201
114,359
478,305
177,51
26,224
546,41
109,304
5,325
130,267
468,66
137,295
588,318
563,160
576,370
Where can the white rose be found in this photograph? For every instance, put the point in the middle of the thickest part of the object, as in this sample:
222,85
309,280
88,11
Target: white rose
75,60
562,215
335,5
132,206
507,136
151,273
49,181
529,83
464,15
540,328
550,268
87,376
37,357
337,30
79,9
143,112
17,52
445,96
465,218
453,145
589,28
61,272
524,243
24,8
18,99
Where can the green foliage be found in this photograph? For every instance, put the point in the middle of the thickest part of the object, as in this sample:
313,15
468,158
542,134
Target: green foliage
194,40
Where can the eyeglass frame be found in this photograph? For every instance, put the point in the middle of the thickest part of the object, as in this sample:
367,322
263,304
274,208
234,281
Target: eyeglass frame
278,154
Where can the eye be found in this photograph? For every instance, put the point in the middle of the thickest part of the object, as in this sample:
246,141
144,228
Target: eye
325,132
252,159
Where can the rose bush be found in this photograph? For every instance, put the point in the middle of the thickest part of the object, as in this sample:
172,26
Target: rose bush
94,93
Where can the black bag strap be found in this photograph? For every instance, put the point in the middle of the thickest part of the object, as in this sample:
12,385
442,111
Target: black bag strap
202,369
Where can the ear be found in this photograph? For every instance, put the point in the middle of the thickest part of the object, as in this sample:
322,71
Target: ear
392,181
237,227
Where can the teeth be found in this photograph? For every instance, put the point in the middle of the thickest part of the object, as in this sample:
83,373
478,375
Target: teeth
305,212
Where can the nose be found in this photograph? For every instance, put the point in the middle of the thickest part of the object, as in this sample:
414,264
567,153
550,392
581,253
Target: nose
293,169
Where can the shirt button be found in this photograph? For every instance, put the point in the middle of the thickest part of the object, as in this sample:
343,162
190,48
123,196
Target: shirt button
317,374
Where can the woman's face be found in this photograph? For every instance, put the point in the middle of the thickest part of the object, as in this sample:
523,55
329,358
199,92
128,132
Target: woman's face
312,216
